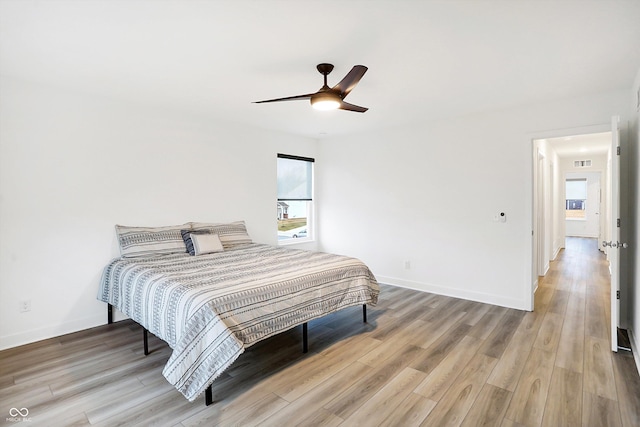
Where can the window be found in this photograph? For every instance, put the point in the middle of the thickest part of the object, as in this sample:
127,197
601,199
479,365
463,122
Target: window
295,198
576,198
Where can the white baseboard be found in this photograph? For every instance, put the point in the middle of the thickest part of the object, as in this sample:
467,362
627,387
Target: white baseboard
634,349
456,293
51,331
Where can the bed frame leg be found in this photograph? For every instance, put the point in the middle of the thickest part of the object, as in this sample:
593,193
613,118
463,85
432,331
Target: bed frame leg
109,314
364,313
208,396
146,341
305,341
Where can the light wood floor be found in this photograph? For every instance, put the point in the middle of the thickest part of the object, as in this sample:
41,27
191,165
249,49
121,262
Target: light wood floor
422,359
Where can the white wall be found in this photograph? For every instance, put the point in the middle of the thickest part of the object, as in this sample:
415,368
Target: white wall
427,193
73,166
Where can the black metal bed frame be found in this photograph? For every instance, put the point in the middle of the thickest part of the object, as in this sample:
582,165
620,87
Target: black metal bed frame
208,393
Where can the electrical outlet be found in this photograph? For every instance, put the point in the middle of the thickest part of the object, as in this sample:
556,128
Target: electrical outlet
407,265
24,306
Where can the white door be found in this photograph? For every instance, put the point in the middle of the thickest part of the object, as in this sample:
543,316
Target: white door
593,207
614,244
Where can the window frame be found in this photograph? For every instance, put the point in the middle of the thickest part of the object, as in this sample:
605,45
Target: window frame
584,201
310,223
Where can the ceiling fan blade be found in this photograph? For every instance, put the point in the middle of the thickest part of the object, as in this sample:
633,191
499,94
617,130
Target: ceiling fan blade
351,107
350,80
289,98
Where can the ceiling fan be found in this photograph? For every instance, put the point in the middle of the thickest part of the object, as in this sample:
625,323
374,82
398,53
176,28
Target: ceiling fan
329,98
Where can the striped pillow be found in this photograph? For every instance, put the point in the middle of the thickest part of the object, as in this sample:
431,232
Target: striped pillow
232,234
188,241
150,241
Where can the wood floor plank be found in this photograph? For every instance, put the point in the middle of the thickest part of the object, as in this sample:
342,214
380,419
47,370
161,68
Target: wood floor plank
254,415
447,307
304,376
459,398
596,321
349,400
411,412
436,330
385,348
549,333
320,396
598,411
124,400
529,398
414,307
564,401
559,300
476,311
507,372
598,368
571,345
382,404
628,387
487,323
506,422
489,408
497,342
440,379
318,418
433,355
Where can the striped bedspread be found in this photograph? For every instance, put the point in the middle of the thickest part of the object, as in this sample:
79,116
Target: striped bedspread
209,308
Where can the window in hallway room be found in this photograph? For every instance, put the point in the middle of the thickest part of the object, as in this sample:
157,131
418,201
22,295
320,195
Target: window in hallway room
576,198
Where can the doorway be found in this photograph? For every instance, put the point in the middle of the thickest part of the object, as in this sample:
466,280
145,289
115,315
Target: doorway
583,204
574,153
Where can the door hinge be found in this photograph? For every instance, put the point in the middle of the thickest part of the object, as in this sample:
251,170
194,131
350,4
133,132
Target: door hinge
618,223
618,150
617,294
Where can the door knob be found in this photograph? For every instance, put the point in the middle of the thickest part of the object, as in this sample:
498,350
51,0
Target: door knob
614,245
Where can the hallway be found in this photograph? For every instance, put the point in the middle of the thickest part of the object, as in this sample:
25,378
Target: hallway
590,385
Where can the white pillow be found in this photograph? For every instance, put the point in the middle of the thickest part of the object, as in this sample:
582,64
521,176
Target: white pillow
206,243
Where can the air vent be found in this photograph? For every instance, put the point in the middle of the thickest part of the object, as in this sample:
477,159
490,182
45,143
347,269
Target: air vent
582,163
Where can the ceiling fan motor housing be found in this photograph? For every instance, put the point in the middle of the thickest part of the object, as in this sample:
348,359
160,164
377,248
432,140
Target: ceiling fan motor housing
325,69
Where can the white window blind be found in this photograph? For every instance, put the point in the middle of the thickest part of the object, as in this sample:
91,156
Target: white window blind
576,189
295,177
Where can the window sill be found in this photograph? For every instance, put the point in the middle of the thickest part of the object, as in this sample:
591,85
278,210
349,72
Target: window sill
290,242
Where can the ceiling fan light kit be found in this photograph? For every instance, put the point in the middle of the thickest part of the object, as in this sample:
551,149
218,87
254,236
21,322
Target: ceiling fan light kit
331,98
325,101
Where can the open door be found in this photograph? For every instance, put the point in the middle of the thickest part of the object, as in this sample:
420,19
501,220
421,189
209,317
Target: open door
614,244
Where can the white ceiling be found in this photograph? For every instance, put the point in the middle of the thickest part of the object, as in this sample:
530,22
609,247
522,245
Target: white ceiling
582,145
427,59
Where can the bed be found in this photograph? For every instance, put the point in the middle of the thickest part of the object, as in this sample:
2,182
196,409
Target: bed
210,305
